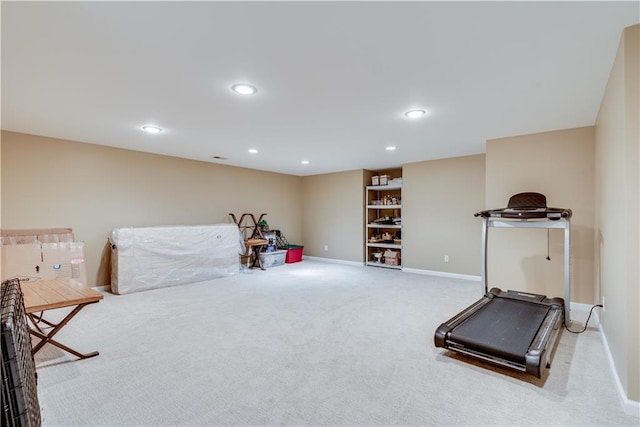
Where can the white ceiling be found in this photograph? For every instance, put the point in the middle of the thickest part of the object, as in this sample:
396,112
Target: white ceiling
333,78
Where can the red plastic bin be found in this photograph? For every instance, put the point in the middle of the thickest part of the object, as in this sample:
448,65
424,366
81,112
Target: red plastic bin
294,254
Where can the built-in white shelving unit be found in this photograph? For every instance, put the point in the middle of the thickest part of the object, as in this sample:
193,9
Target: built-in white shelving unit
384,225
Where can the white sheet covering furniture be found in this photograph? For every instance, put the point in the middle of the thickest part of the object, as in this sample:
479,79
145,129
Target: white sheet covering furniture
144,258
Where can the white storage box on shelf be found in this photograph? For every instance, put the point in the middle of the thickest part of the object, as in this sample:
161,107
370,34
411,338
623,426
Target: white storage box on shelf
146,258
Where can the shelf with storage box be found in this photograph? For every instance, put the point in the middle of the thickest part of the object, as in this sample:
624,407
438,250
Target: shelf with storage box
384,223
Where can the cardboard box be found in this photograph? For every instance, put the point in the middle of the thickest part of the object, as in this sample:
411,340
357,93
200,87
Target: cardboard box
64,260
18,240
22,261
391,257
44,261
35,235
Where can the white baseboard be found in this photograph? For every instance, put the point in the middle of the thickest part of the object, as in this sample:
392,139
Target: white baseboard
441,274
106,288
404,269
585,308
334,261
630,407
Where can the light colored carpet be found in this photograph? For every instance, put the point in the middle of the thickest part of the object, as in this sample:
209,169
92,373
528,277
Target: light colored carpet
310,343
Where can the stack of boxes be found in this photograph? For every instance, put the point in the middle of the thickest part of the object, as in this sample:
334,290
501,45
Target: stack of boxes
385,180
42,254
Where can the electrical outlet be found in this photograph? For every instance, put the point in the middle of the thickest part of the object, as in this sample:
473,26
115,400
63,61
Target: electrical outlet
446,258
326,247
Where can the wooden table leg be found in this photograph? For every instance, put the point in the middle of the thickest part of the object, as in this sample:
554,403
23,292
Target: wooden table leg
256,257
48,338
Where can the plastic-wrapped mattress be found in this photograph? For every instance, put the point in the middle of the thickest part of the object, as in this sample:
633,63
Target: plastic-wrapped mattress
144,258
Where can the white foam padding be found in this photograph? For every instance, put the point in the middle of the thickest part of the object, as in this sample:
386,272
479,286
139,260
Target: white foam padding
144,258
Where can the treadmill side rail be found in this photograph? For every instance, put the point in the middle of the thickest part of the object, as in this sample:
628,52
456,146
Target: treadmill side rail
539,355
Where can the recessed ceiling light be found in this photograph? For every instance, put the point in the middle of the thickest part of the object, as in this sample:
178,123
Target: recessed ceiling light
390,148
414,114
244,89
252,151
151,129
305,162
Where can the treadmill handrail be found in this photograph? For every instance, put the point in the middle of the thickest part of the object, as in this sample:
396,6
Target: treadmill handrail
525,213
563,222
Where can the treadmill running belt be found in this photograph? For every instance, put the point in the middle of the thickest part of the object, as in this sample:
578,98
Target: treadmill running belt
505,327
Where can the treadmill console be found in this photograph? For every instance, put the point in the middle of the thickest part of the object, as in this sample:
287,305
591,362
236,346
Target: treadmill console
525,206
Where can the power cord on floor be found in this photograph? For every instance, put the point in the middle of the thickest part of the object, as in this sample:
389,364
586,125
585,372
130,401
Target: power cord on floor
585,323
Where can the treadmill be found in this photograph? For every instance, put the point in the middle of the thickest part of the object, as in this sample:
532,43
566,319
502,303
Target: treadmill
512,328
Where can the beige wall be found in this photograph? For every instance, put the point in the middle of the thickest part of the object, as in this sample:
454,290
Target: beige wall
558,164
439,198
333,215
617,160
49,182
